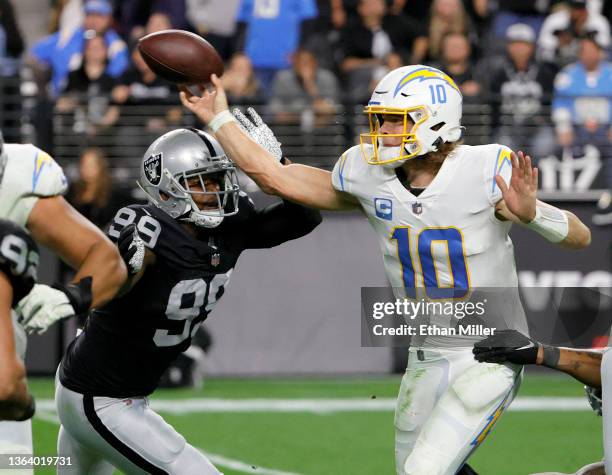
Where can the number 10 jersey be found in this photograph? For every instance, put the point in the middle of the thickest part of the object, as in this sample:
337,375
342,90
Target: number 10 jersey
447,240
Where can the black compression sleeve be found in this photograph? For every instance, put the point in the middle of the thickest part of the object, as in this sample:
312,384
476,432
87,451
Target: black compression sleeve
279,223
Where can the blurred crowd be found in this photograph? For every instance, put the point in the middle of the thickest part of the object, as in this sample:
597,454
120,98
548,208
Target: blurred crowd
540,67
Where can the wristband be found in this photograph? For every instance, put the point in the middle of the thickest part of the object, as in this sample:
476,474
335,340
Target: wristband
551,223
80,295
551,356
220,119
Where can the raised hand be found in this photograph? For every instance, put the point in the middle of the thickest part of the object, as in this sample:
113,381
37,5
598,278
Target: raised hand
209,104
520,196
258,130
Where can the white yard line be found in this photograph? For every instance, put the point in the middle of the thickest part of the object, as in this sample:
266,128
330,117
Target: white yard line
327,406
243,467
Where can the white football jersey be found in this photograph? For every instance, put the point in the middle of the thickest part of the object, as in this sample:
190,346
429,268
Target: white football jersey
447,239
30,174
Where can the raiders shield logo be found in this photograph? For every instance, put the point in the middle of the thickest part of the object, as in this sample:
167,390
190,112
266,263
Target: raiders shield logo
152,168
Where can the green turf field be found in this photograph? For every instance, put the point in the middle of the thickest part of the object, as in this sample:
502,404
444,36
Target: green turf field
240,424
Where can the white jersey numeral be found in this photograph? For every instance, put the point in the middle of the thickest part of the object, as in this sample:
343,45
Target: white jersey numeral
148,227
15,250
201,292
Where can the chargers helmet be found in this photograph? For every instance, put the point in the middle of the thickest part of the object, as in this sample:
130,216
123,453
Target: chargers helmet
429,97
175,158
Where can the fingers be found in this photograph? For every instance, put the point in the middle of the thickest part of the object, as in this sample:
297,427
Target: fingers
242,120
536,176
255,117
216,81
502,184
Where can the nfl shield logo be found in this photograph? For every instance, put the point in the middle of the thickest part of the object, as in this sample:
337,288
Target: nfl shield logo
215,259
417,208
152,168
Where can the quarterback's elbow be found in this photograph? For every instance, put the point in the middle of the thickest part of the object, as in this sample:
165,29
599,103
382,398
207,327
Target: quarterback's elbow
271,184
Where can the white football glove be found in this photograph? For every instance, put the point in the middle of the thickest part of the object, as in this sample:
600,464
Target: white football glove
257,129
132,249
42,307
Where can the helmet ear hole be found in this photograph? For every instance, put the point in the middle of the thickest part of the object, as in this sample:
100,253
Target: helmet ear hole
438,126
164,196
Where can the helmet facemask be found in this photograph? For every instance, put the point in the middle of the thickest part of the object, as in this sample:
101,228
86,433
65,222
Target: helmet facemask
225,201
392,156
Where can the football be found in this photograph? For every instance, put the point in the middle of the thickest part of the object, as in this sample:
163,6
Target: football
180,56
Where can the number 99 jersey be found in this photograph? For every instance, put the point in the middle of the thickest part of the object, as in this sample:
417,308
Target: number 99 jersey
18,258
126,345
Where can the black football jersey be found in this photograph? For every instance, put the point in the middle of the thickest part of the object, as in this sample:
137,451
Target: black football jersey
18,258
126,346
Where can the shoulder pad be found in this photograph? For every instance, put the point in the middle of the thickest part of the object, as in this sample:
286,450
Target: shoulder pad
35,172
342,174
497,162
18,258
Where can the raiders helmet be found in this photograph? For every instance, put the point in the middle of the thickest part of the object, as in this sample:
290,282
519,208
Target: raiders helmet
173,161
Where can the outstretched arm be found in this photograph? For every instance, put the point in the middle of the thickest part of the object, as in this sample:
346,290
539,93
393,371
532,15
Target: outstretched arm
519,205
279,223
100,270
302,184
56,224
511,346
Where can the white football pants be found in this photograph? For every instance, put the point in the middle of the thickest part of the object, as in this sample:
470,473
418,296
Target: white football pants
99,433
16,437
447,404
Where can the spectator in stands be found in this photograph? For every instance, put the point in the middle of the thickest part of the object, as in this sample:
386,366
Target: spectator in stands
240,83
520,89
93,194
305,94
66,15
393,61
133,15
562,30
11,41
215,20
510,12
447,16
270,32
141,86
366,42
456,62
62,52
478,10
11,48
88,90
582,103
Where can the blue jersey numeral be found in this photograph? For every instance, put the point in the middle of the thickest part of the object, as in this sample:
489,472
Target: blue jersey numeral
457,264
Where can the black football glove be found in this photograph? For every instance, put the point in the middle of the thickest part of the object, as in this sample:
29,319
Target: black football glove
132,248
507,346
594,397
